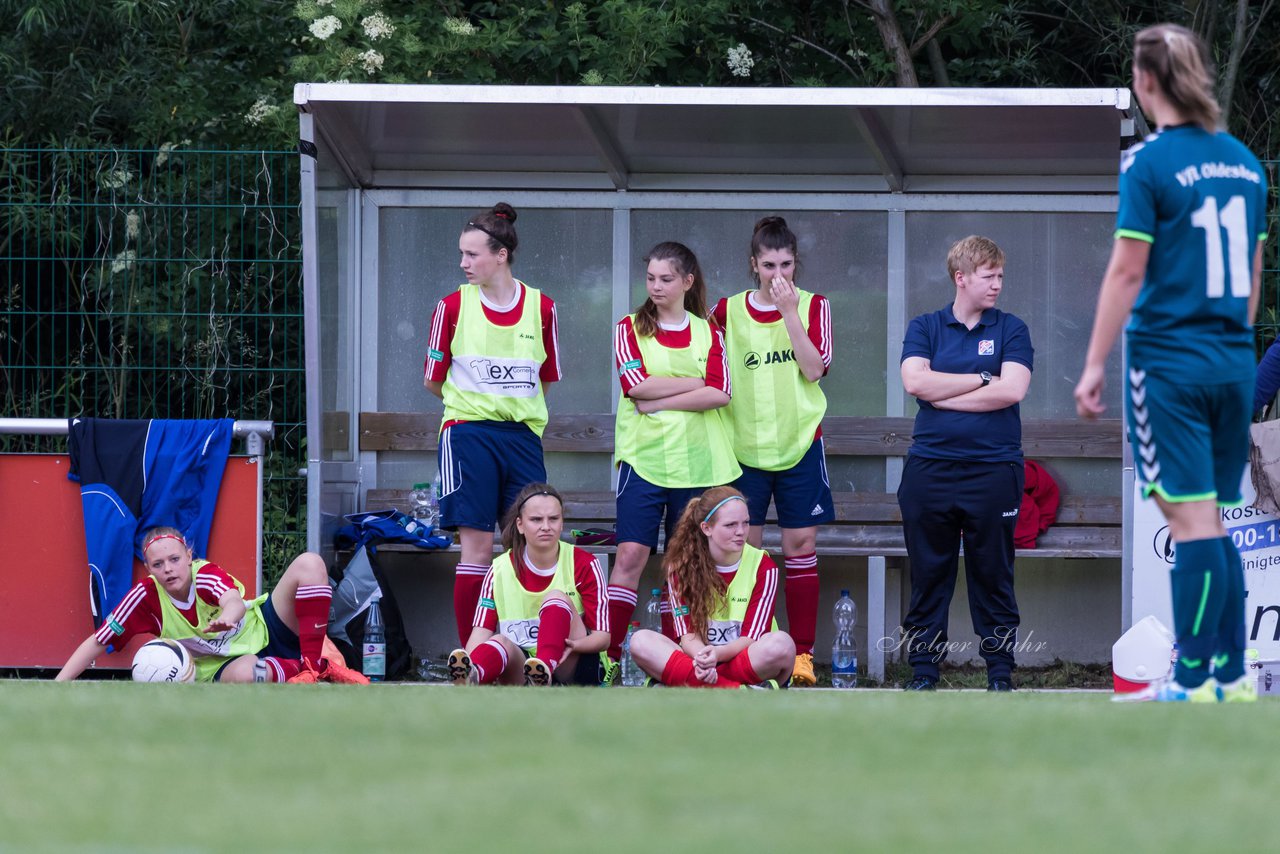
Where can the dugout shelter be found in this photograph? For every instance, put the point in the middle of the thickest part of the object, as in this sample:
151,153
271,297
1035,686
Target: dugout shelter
877,183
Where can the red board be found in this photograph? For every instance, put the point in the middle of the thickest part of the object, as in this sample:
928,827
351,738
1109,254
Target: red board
44,577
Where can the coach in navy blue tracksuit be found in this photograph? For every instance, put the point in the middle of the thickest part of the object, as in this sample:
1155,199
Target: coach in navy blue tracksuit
968,365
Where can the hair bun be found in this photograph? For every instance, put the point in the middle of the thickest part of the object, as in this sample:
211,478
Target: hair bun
502,210
770,222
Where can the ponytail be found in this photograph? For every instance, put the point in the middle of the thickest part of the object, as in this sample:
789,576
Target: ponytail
1179,62
681,257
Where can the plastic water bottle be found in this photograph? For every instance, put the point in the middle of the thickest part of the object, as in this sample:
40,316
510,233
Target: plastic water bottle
653,611
425,507
1252,666
844,649
375,643
632,675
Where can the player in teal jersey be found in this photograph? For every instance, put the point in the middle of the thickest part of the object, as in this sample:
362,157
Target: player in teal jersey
1187,262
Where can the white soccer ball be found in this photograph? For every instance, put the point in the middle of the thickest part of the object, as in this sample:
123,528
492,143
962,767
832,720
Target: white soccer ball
163,660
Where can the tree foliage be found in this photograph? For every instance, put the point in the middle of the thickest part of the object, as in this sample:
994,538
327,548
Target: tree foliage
145,72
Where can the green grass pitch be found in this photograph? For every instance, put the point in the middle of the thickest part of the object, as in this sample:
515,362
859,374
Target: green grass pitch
111,766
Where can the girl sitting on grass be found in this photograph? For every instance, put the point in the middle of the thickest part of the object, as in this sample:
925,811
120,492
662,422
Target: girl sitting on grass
542,615
722,599
201,606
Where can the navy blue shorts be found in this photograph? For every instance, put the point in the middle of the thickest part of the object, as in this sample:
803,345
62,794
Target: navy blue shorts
586,672
1190,442
642,505
483,466
801,494
282,642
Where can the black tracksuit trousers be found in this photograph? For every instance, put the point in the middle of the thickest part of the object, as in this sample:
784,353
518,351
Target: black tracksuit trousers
944,502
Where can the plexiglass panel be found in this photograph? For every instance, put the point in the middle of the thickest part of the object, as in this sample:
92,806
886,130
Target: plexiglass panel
337,386
1053,269
842,257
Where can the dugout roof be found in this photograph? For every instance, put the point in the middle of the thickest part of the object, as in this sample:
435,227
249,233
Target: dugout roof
699,139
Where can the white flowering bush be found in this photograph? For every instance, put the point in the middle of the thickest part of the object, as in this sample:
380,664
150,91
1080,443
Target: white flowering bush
124,261
459,27
324,27
377,27
740,60
116,178
261,110
371,61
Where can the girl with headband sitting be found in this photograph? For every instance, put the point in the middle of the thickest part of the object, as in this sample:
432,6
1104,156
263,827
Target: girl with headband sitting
722,599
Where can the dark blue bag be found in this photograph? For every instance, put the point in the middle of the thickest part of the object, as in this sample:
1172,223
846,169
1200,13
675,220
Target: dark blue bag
362,578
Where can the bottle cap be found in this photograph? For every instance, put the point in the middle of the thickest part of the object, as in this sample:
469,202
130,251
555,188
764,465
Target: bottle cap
844,592
635,624
421,485
655,592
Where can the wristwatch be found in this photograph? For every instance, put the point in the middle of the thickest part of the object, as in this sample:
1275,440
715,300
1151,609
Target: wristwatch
985,376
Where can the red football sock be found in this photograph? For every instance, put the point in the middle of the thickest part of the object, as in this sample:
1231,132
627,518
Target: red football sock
555,618
622,604
679,670
282,669
802,599
311,606
739,669
467,581
489,659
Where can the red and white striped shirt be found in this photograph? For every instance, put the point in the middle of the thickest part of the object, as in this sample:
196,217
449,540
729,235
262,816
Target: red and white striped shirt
759,617
588,578
626,351
444,321
139,611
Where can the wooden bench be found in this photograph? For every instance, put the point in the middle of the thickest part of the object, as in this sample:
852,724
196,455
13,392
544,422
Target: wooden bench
867,524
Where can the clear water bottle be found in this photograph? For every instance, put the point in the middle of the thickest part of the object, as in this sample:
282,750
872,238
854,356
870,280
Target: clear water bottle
426,509
375,643
844,649
653,611
632,675
1252,666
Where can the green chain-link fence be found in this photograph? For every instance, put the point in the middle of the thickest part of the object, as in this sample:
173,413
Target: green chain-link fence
1267,327
159,283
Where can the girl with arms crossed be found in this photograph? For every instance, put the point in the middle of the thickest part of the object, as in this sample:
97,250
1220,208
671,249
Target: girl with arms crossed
542,610
493,347
670,441
778,340
722,595
1187,262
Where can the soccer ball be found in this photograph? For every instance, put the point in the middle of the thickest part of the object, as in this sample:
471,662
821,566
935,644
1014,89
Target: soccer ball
163,661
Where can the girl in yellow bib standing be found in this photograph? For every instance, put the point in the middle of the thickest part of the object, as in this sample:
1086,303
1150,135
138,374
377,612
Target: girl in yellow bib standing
671,443
778,339
492,350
